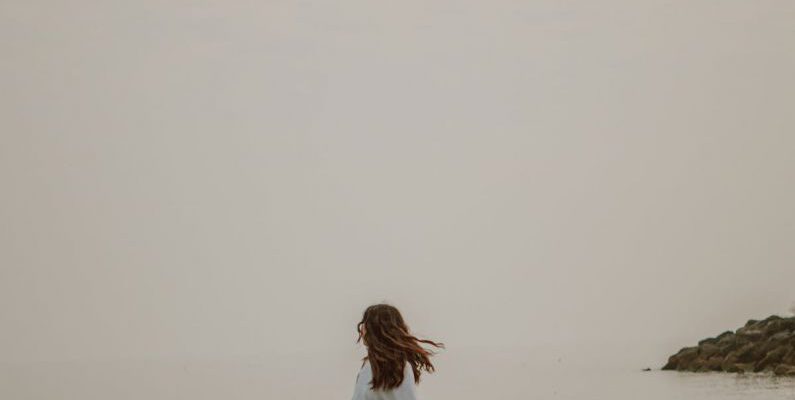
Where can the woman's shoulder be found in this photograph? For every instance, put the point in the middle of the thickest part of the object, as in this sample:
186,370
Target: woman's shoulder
366,372
408,374
365,369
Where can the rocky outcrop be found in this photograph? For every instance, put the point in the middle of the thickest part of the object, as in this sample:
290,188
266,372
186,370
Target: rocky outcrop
759,346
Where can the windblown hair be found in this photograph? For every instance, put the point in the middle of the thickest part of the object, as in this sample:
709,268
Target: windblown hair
390,345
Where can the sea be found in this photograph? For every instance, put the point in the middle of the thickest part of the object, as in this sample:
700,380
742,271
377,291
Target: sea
330,377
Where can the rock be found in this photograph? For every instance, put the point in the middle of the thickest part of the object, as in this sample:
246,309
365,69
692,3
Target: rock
784,370
697,365
780,336
740,367
772,358
747,353
683,358
724,335
751,333
731,368
760,345
707,341
789,358
744,367
714,363
729,363
708,350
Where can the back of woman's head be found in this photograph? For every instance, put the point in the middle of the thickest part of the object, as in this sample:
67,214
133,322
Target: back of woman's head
390,345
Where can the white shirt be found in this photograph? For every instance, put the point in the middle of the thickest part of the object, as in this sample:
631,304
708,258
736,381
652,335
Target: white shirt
406,391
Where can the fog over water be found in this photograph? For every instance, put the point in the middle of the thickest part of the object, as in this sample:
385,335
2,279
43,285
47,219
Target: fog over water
216,190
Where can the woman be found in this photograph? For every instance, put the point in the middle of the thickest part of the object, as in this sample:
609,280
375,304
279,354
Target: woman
395,359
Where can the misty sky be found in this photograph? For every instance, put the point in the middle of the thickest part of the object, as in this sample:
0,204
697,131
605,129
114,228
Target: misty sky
217,179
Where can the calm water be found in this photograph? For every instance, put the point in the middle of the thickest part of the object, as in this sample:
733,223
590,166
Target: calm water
313,377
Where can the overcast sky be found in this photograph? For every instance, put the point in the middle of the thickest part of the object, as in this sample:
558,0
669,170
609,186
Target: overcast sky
217,179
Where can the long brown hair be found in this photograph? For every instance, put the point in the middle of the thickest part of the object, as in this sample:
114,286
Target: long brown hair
390,345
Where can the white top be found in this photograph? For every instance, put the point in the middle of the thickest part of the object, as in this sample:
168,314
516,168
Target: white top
406,391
